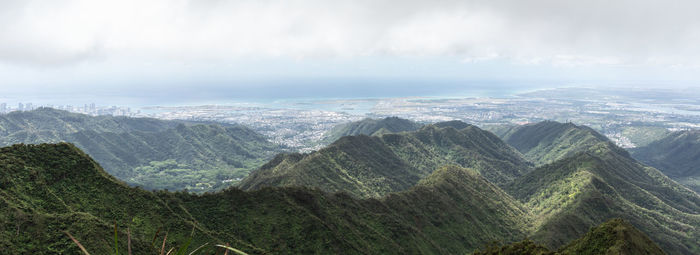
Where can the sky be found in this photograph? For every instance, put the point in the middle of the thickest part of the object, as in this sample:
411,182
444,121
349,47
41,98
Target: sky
198,50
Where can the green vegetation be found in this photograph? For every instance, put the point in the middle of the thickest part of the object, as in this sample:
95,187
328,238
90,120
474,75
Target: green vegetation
359,165
370,127
154,154
525,247
642,136
614,237
367,166
48,189
677,155
548,141
437,190
569,196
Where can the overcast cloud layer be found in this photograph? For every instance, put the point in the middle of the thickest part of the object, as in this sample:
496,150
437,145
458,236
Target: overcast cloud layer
622,32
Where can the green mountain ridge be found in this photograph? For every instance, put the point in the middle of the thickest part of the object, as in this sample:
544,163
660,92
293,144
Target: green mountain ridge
614,237
604,182
676,155
154,154
373,166
582,179
47,189
547,141
370,127
440,207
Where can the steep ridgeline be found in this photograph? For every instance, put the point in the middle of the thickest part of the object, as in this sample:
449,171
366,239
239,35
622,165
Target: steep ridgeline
47,189
677,155
154,154
548,141
371,166
614,237
370,127
571,195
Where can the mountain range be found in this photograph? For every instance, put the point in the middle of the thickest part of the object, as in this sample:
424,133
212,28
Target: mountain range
373,166
453,210
444,188
580,180
50,188
151,153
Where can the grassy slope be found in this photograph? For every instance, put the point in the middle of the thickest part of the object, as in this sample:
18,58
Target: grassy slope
360,165
46,189
373,166
614,237
370,127
135,149
677,155
569,196
443,144
49,188
548,141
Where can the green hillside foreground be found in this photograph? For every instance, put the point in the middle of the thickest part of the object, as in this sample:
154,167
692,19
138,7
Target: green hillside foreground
569,196
154,154
547,141
373,166
370,127
583,179
614,237
46,189
676,155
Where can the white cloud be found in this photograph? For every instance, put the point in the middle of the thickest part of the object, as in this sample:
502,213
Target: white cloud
554,32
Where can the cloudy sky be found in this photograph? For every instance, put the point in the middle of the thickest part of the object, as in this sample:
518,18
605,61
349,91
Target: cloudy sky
203,48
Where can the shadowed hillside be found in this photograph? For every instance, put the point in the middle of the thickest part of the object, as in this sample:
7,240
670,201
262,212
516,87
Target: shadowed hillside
154,154
677,155
614,237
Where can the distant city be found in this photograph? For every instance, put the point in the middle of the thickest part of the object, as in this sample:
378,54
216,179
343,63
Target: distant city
300,125
90,109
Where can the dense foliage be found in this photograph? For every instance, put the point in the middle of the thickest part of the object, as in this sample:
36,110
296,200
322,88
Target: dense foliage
614,237
154,154
47,189
373,166
676,155
397,193
548,141
569,196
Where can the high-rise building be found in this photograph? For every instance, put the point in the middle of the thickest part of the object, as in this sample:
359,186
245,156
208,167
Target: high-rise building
20,107
29,107
3,108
